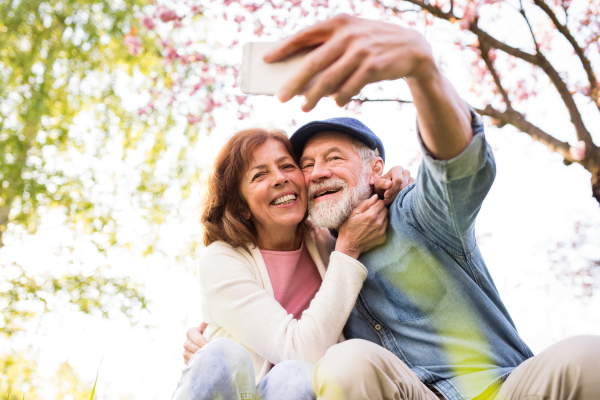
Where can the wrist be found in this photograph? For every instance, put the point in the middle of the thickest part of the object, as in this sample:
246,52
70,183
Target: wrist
347,248
426,71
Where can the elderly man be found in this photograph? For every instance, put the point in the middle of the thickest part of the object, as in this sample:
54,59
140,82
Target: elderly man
430,318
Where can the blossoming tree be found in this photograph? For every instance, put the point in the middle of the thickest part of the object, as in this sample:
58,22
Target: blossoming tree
556,46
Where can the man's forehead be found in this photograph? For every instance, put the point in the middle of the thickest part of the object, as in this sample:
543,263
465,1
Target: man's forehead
334,138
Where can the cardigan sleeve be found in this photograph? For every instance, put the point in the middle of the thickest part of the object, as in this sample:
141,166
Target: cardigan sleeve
237,302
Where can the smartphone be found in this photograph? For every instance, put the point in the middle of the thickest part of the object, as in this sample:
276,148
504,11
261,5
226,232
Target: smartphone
259,77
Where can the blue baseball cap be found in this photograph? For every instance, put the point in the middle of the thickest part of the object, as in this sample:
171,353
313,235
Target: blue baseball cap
351,126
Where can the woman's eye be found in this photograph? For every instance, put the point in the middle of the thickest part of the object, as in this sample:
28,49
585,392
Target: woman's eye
258,175
306,166
288,166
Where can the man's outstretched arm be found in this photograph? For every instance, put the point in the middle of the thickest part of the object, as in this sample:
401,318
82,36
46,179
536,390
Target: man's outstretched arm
354,52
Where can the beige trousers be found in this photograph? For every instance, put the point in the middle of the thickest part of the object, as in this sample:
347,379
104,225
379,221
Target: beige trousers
357,369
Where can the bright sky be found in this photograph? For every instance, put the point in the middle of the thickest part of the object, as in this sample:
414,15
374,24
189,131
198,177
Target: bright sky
535,203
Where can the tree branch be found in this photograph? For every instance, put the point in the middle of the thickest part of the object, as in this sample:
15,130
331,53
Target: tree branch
522,11
373,100
490,65
587,66
535,59
542,62
517,120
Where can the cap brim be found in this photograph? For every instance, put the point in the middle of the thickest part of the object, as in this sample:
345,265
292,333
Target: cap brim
302,135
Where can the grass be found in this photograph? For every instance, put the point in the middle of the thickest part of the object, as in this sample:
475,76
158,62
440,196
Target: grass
96,381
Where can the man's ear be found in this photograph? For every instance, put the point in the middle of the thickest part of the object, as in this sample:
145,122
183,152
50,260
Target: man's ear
376,170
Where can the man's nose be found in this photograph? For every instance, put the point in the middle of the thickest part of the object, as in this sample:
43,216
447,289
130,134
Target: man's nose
320,172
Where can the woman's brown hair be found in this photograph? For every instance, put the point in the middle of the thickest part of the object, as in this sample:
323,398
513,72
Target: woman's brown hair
224,213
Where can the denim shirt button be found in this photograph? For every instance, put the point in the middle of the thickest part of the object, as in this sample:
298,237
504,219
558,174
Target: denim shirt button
378,327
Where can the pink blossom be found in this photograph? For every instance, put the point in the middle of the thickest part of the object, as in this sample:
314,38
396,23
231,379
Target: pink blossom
133,43
251,7
166,14
240,99
197,58
210,123
239,19
195,88
171,54
195,8
578,151
148,22
259,28
142,111
210,104
191,119
151,105
177,23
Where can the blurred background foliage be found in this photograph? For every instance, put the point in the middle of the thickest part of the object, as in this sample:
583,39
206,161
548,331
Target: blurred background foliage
19,380
70,148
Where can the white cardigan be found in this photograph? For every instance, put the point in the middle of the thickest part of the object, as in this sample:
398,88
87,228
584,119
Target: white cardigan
238,302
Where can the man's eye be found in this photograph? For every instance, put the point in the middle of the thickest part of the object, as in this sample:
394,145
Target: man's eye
307,166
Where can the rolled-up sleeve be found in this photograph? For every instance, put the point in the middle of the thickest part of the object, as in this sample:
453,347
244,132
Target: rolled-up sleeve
449,193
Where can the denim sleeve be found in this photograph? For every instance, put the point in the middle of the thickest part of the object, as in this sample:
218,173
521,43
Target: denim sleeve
448,193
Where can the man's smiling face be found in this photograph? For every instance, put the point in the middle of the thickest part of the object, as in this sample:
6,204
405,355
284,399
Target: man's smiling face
334,176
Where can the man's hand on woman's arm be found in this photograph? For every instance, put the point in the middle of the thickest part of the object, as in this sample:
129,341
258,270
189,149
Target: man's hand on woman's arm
194,342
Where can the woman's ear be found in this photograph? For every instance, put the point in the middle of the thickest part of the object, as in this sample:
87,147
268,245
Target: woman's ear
376,169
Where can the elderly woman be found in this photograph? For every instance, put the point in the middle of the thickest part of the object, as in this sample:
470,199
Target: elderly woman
275,293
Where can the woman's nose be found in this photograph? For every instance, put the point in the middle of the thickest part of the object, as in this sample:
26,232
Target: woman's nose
279,178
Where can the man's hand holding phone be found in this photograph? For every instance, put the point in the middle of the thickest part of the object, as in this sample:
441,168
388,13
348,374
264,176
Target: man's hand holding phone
351,53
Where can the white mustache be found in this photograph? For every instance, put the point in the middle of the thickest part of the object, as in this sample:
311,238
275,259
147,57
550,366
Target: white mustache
332,183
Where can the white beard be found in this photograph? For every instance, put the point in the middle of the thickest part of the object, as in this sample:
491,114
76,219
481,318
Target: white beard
332,213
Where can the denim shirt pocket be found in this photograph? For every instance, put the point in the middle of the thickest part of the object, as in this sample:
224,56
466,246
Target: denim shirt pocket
412,284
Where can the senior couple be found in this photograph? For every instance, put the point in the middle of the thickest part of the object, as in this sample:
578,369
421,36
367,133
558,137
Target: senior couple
367,298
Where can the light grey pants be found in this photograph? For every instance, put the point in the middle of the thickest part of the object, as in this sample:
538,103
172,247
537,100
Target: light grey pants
223,370
358,369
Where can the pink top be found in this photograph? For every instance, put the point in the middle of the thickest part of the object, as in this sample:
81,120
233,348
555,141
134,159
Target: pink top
295,278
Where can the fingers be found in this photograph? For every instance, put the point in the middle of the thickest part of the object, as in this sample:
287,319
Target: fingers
190,346
195,336
308,37
382,184
315,61
363,76
366,204
202,327
186,357
332,77
396,183
375,209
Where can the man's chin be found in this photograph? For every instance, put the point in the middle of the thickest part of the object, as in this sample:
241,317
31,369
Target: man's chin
331,219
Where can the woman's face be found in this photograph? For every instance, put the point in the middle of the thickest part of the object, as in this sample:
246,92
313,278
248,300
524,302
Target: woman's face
273,187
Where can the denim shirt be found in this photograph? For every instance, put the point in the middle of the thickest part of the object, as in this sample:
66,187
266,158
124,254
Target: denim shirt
429,297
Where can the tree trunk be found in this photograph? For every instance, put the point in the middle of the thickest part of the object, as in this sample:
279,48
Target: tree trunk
594,168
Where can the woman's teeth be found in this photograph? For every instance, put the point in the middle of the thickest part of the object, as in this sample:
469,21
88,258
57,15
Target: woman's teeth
287,199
